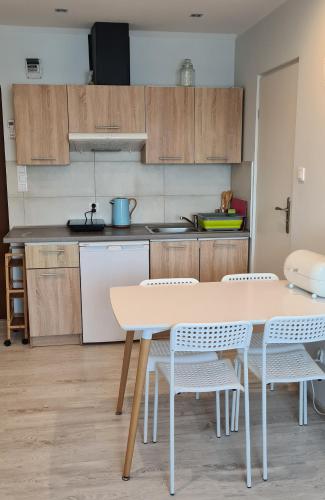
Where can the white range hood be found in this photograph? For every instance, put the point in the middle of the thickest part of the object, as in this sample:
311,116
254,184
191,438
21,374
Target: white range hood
107,142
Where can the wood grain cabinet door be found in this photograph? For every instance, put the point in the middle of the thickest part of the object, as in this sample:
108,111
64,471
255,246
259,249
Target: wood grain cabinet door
41,121
221,257
218,125
54,301
174,259
170,125
106,108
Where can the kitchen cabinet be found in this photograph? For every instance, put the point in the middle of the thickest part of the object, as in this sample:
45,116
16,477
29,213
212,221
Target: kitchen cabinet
219,257
174,259
54,301
106,108
170,125
41,121
218,125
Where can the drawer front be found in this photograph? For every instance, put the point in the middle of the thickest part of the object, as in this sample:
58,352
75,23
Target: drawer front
54,301
49,256
174,259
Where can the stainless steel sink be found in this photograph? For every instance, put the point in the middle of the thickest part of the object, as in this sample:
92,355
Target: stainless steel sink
170,229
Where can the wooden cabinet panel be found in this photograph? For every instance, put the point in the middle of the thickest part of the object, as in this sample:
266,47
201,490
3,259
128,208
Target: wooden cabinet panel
47,256
174,259
221,257
54,302
170,125
218,125
41,120
106,108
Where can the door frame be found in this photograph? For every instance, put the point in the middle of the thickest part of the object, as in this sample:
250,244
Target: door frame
255,161
4,226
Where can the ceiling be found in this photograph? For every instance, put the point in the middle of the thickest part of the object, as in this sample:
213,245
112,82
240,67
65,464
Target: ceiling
220,16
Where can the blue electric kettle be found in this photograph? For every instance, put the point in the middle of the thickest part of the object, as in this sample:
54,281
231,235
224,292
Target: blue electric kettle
121,213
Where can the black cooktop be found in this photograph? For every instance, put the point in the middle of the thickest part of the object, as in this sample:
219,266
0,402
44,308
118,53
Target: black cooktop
86,225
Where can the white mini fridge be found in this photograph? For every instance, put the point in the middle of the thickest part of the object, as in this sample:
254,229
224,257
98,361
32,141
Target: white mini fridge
102,266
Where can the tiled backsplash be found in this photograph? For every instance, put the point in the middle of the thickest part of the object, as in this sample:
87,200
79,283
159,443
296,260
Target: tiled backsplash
164,192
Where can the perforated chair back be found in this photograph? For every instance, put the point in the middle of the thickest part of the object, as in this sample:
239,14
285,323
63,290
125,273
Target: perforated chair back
250,277
169,281
204,337
294,329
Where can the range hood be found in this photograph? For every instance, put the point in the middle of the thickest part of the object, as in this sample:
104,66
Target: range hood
107,142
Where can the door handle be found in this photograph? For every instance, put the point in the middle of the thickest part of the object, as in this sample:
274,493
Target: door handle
287,210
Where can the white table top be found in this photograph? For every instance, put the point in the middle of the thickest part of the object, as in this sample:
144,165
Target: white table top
160,307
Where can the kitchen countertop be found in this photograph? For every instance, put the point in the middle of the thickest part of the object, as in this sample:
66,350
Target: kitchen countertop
45,234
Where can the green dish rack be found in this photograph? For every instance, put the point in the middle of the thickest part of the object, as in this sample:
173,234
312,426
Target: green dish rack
220,222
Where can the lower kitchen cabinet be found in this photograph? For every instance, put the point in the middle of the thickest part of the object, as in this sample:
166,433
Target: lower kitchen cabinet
221,257
54,305
174,259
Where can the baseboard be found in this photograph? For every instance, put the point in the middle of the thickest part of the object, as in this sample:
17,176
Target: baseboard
51,340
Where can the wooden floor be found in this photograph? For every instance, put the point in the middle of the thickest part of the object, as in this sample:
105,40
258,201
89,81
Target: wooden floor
61,440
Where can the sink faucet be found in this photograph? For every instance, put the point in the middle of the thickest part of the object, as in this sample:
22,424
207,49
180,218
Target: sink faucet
194,222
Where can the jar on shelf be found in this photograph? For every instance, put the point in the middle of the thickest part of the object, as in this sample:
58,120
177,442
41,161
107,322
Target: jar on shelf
187,74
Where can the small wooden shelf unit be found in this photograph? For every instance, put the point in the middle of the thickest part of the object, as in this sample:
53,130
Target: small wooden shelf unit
16,289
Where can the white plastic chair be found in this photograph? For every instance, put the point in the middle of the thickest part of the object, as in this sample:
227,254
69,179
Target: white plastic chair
250,277
160,352
287,367
256,346
217,375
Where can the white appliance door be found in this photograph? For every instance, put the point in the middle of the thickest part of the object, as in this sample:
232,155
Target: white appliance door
102,266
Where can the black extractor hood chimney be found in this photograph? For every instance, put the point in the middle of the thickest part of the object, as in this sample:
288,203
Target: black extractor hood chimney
109,53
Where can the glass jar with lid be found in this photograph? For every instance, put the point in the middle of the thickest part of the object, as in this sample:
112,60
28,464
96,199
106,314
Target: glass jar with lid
187,74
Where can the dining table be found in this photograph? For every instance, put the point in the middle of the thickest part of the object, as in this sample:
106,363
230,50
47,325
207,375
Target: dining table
157,308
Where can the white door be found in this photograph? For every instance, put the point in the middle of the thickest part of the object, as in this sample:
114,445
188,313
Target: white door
275,161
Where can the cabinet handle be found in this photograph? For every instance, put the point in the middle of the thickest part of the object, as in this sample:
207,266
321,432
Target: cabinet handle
178,247
52,251
211,158
40,158
166,158
43,275
103,127
216,245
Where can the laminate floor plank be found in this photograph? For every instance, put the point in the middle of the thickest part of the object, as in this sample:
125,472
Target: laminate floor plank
61,440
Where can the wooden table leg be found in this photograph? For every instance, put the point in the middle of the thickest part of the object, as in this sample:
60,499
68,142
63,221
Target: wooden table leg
139,383
125,370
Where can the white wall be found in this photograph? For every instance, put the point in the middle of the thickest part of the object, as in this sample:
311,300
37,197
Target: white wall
295,30
58,193
156,57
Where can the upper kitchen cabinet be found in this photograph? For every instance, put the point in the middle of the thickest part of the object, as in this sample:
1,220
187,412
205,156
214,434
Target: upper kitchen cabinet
170,125
218,125
41,120
106,108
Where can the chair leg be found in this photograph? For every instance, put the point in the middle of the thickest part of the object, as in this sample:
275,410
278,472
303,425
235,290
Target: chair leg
301,402
155,408
171,445
305,403
227,413
248,438
218,432
146,407
234,398
264,431
238,401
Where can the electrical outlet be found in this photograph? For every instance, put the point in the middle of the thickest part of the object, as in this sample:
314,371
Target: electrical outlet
95,206
22,185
